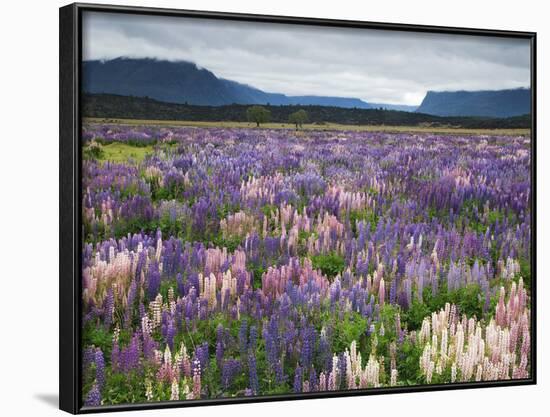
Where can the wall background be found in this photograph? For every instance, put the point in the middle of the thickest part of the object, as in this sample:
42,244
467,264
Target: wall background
29,205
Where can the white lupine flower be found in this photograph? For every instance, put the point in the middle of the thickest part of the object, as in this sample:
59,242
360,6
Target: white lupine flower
148,390
393,377
175,392
453,372
471,351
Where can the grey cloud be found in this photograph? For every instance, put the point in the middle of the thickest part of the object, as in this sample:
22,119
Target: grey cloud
375,65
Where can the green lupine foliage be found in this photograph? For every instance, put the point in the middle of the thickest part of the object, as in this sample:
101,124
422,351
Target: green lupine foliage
469,300
368,216
330,264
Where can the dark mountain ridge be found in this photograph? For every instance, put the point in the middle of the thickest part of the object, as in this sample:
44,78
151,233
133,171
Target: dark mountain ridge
184,82
488,103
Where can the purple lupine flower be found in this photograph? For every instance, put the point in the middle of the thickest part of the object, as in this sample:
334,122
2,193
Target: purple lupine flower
153,281
181,286
109,308
393,291
313,380
325,352
202,356
230,369
243,337
297,387
253,338
280,376
88,357
219,353
130,355
93,399
408,292
220,345
308,344
253,374
149,347
99,369
342,369
170,333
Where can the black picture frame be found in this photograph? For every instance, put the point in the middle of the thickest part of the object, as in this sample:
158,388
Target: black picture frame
70,40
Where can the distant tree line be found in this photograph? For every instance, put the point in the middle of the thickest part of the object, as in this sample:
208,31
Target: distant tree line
124,107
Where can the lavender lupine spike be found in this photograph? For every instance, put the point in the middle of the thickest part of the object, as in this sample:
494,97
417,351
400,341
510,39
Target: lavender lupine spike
243,337
100,369
297,387
230,369
109,308
93,398
253,374
153,285
253,338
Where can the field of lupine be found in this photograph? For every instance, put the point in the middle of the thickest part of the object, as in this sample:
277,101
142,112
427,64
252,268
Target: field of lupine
247,262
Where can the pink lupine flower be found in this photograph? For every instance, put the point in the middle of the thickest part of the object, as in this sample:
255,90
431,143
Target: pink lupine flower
381,292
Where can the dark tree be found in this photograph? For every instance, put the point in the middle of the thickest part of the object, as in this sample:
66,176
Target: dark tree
298,118
258,115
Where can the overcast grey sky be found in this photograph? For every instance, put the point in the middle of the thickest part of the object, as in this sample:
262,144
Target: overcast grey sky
373,65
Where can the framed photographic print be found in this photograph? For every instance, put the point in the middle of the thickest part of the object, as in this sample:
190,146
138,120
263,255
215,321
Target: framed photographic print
259,208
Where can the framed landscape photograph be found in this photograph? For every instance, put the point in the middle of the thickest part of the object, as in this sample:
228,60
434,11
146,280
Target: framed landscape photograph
258,208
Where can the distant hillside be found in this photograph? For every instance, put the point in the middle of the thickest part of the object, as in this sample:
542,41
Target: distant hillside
184,82
121,107
500,103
